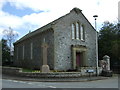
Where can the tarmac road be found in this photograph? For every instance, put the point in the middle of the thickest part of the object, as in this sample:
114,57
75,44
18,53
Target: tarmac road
111,82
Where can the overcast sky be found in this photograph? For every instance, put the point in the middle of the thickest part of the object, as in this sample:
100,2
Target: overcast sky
27,15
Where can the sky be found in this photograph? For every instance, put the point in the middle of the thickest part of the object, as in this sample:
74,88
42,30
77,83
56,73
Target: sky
28,15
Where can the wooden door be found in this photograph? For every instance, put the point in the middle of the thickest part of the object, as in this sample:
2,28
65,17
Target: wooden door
78,59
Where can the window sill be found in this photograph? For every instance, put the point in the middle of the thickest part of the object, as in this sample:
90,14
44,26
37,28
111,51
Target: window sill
83,40
79,40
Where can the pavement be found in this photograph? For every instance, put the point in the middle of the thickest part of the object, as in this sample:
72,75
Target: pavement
81,79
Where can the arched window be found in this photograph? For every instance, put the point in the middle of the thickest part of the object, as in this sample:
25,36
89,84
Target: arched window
82,32
73,31
77,30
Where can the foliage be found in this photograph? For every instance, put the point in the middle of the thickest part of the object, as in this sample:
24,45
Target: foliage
5,53
109,42
7,45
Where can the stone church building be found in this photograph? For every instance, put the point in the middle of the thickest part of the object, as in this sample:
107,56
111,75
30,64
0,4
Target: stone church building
71,41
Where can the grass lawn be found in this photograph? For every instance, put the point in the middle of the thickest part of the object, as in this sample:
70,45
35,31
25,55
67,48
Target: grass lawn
29,70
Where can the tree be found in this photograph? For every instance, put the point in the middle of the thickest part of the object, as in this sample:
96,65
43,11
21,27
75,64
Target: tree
109,42
10,36
5,53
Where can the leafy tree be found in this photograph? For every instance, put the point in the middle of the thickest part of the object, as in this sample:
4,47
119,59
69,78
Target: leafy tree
5,53
109,42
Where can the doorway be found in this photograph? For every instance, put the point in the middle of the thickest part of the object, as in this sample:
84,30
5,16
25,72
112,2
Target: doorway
79,59
79,56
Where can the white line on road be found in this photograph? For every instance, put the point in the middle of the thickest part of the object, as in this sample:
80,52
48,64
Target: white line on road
22,82
15,81
51,87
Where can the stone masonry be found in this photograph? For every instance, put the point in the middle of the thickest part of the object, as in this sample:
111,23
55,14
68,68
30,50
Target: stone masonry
63,41
62,51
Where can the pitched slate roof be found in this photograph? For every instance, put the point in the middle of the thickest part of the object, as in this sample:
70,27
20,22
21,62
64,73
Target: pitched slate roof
48,26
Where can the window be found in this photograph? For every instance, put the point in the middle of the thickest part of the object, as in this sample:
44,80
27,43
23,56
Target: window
17,53
23,51
77,30
31,50
73,31
82,32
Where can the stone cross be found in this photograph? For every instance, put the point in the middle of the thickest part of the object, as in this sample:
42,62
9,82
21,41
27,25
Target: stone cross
45,47
45,67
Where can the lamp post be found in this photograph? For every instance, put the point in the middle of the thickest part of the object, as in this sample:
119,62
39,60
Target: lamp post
95,16
97,72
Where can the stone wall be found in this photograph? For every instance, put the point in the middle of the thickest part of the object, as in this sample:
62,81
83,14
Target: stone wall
63,41
11,70
18,72
37,41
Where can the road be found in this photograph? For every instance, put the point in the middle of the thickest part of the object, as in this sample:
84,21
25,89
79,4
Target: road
106,83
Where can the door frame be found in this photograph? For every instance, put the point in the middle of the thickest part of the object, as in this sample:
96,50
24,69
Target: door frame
81,49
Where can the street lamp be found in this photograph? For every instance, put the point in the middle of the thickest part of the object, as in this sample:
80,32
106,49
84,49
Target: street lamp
95,17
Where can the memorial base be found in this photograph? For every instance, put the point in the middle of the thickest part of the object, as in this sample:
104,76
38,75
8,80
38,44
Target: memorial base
107,73
45,68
